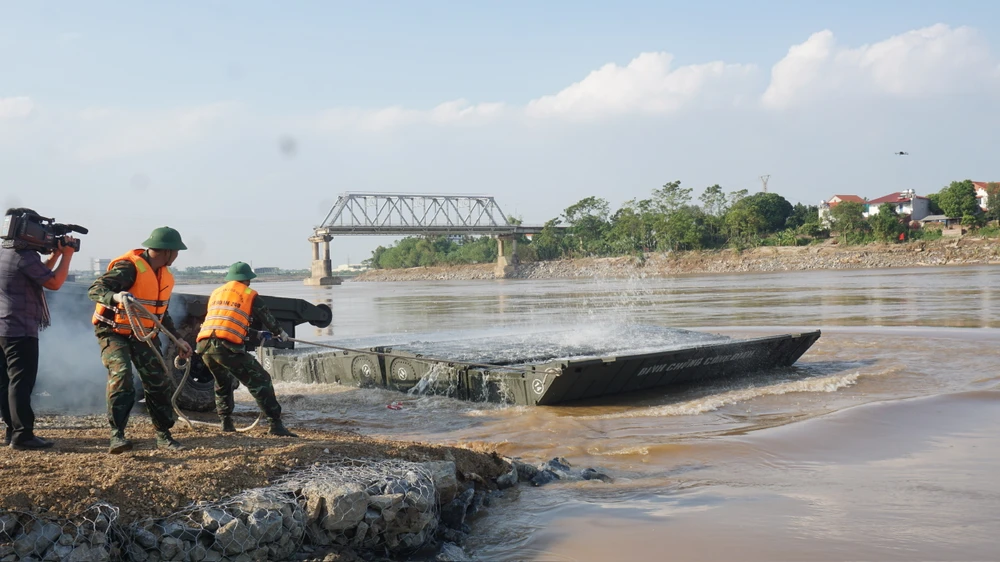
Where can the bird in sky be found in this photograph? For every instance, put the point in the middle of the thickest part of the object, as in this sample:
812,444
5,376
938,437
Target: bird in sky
901,153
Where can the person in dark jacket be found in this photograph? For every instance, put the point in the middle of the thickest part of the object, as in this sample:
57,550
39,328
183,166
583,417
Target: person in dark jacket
23,312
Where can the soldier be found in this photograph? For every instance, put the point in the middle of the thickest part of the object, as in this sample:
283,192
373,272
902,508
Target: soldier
141,276
221,343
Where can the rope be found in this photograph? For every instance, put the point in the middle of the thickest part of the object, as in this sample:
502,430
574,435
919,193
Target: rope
132,311
449,362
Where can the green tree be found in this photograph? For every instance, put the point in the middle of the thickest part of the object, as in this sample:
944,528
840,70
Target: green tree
959,199
737,196
993,201
848,219
632,228
713,201
934,204
757,215
684,229
886,223
549,244
744,225
670,197
588,219
802,214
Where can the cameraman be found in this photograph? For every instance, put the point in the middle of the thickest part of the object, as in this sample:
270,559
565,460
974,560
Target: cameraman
23,312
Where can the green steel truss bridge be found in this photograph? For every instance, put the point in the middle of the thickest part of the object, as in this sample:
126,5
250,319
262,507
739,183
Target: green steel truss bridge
408,214
417,214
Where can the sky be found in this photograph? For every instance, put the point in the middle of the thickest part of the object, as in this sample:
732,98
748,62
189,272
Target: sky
123,117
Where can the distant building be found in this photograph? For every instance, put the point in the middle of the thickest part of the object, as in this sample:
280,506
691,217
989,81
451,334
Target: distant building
904,202
100,265
266,270
353,267
982,195
825,206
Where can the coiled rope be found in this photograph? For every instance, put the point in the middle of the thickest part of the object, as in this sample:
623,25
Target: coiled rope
134,310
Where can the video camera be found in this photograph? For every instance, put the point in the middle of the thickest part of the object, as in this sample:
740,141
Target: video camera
26,230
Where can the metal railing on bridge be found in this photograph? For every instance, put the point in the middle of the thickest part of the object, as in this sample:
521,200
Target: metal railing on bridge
418,214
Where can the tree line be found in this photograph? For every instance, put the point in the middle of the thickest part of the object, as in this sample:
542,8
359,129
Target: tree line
670,220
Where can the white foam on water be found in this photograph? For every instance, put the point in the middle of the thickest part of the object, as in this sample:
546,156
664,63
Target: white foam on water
715,401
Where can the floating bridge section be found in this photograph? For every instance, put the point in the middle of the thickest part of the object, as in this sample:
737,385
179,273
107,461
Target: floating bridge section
407,214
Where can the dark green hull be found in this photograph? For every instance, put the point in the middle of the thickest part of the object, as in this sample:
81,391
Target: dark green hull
541,384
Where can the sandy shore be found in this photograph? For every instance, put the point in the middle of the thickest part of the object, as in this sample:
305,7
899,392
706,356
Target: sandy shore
829,255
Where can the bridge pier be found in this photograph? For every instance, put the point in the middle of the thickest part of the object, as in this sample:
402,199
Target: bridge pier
506,266
322,269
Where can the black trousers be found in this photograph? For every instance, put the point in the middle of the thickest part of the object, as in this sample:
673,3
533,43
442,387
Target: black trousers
17,380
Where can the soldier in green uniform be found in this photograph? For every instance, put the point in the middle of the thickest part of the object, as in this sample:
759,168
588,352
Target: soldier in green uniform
221,345
143,277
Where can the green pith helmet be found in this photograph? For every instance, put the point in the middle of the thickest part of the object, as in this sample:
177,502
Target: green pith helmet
240,271
164,238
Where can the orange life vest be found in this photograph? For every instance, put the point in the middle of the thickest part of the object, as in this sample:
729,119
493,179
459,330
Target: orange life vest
151,289
228,315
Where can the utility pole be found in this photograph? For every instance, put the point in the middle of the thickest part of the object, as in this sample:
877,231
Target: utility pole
763,179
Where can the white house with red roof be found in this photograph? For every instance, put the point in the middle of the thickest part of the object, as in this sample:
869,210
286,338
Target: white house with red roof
982,194
825,206
905,202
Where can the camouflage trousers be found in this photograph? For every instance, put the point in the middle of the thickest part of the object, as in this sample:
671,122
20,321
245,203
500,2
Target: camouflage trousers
223,364
119,354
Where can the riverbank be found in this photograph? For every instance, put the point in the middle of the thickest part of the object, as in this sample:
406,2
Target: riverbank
830,255
151,503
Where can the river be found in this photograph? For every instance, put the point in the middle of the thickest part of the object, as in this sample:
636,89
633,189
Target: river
880,444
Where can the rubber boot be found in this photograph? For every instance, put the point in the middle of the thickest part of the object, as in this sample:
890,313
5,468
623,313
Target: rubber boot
165,441
118,443
278,428
227,424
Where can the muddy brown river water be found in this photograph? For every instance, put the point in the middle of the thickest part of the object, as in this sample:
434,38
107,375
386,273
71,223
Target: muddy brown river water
882,443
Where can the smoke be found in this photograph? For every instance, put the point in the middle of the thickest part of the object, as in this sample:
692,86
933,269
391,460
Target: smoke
71,378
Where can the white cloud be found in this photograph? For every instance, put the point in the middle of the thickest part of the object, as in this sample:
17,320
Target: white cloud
452,112
932,61
112,133
16,107
647,85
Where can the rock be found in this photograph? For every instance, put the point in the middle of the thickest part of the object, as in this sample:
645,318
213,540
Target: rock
451,552
544,477
386,502
525,471
594,474
346,504
508,479
452,535
170,546
558,465
85,553
144,538
444,478
453,514
265,525
476,505
37,541
181,531
391,486
213,518
198,553
233,537
8,527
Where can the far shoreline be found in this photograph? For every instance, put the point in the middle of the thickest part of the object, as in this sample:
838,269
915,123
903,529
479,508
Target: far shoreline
765,259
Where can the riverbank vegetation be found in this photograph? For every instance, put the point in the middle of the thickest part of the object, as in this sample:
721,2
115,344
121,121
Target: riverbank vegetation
670,220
